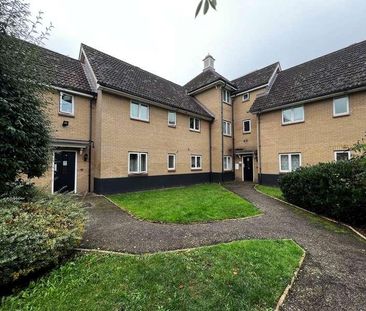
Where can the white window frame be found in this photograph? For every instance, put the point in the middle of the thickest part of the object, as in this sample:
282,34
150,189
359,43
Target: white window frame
138,163
175,160
290,162
292,115
246,99
226,98
342,151
195,167
194,124
229,166
72,104
343,113
250,126
175,118
139,111
226,125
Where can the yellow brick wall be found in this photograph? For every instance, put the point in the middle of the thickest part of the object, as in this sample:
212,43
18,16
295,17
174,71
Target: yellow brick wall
317,138
120,135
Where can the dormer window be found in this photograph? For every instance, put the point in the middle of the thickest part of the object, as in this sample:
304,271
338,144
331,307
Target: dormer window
246,97
66,104
226,97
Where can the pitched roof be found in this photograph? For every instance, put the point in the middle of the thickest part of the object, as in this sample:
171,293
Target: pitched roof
254,79
339,71
119,75
205,78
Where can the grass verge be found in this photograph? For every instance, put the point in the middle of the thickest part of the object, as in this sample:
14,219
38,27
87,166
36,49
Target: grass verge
198,203
241,275
271,191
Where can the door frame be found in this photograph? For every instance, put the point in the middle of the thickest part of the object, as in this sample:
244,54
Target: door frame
242,165
53,169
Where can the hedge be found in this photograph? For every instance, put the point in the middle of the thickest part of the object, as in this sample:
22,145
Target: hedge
38,234
335,189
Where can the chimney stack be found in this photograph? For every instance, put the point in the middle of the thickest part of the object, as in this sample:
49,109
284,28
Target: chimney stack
208,63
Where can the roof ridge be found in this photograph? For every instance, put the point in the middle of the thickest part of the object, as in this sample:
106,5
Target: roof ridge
250,72
120,60
324,55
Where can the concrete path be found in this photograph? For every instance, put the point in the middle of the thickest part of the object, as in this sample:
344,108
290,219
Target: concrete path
333,276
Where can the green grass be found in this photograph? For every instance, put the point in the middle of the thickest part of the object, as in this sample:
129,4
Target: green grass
242,275
199,203
272,191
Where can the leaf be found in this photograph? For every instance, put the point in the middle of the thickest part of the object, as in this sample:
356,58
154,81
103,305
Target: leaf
207,5
213,4
198,8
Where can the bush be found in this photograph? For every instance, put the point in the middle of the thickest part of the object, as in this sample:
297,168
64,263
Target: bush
336,190
36,235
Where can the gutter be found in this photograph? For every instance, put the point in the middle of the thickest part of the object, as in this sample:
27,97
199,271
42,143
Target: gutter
208,86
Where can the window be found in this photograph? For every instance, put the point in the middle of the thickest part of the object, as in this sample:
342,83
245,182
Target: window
137,162
226,126
246,97
247,126
139,111
293,115
172,118
228,163
343,155
171,162
226,97
290,162
194,124
196,162
340,106
66,103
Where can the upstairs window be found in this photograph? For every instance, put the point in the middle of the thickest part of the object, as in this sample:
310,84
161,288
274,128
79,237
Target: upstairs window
196,162
139,111
289,162
228,163
226,97
293,115
172,119
66,104
340,106
137,162
226,127
246,97
343,155
247,126
194,124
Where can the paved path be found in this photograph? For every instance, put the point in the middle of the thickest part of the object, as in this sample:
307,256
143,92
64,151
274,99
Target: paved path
333,276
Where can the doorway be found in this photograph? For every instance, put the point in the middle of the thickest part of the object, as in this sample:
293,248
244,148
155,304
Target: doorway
64,171
247,168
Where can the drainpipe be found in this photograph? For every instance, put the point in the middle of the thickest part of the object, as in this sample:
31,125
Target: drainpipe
90,141
210,151
222,134
259,153
233,136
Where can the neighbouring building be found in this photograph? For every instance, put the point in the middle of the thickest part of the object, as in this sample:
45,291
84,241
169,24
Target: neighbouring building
118,128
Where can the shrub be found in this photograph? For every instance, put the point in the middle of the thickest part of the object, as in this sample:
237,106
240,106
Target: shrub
37,234
336,189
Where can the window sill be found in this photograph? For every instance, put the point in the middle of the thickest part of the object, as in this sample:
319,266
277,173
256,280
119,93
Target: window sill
172,126
291,123
341,115
226,135
196,169
145,121
171,170
245,133
195,131
137,174
64,114
229,104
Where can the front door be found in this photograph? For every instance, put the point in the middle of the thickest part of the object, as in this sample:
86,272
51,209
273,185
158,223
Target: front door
64,171
248,167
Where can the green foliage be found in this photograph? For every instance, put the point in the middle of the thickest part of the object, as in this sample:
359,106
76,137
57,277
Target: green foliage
242,275
198,203
24,128
206,5
37,234
271,191
336,189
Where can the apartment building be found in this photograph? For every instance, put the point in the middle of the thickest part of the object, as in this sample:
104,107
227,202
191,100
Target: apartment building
118,128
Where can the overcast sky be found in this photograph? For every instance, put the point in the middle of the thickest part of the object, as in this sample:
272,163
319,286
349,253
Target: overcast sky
162,36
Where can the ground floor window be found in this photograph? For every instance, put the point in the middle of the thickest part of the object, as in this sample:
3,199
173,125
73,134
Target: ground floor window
137,162
289,162
342,155
171,162
228,163
196,162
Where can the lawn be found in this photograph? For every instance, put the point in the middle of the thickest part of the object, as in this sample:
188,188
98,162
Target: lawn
272,191
198,203
242,275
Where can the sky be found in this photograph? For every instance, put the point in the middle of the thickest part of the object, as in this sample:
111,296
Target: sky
163,37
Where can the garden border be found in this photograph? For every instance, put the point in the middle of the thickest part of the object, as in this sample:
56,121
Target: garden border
321,216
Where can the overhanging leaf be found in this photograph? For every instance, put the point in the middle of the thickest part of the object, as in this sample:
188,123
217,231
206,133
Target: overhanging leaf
207,5
198,8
